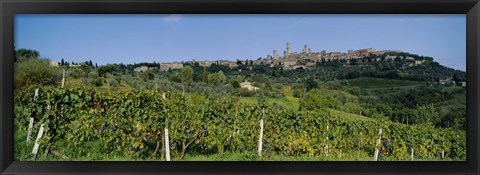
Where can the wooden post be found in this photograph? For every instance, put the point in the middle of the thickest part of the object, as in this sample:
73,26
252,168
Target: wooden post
326,150
259,151
37,145
167,146
359,145
377,149
412,154
30,126
63,79
58,154
36,94
326,145
443,154
162,156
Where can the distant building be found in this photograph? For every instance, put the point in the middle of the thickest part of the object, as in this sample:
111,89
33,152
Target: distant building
288,64
299,66
364,52
418,62
247,85
141,69
73,65
464,84
390,57
53,63
446,81
167,66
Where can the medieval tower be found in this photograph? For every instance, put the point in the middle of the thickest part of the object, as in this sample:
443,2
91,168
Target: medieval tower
275,54
287,52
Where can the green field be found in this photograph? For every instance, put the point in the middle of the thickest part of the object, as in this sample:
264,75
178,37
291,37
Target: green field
289,102
349,116
378,83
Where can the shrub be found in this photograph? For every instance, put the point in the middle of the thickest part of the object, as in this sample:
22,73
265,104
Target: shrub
36,72
112,83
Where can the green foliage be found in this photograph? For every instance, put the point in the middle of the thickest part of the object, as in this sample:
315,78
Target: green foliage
109,68
128,124
205,75
310,83
287,91
25,54
187,74
112,83
217,78
318,99
35,72
146,76
427,114
207,120
97,82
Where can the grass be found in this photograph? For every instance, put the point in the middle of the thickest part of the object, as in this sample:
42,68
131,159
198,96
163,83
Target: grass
293,104
288,102
378,83
349,116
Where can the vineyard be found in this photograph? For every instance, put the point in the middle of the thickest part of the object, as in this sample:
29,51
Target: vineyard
78,122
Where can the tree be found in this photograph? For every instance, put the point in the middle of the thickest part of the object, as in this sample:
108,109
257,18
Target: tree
287,91
112,83
355,90
240,78
205,74
62,62
24,54
35,71
187,74
235,83
217,78
85,68
353,74
316,99
97,82
427,114
109,68
146,76
310,83
268,86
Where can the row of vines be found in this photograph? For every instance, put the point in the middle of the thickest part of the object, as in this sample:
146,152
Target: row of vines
132,124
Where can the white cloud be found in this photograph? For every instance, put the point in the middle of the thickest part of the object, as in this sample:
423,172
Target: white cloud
172,18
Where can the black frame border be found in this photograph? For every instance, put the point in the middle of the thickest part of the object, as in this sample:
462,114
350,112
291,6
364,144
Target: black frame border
8,8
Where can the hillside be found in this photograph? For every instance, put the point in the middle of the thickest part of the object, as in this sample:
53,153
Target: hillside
217,108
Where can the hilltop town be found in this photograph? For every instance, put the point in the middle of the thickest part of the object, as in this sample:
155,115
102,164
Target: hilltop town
305,59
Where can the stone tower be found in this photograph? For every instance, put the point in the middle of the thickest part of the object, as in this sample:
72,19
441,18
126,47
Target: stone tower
305,49
287,52
275,54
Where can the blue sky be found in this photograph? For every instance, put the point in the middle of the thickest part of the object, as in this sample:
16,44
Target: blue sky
165,38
